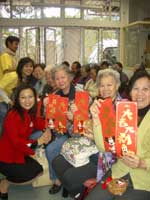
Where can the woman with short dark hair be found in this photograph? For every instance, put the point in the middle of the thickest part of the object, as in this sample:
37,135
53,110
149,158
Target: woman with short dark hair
132,167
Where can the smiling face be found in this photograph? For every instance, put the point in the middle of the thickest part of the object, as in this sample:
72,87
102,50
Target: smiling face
27,69
26,99
108,87
140,92
38,73
62,81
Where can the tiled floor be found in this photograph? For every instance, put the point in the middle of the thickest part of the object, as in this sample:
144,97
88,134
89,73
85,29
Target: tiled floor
29,193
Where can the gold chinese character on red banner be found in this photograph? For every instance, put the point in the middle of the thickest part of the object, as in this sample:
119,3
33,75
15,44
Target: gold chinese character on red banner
56,113
81,115
126,127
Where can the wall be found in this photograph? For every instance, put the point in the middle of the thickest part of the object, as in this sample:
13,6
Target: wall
138,10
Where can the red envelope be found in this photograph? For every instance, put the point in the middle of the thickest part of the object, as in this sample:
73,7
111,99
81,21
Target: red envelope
81,115
60,115
107,117
56,113
126,127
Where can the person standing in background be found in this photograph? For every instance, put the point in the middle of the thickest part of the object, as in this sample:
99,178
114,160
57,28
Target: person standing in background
8,76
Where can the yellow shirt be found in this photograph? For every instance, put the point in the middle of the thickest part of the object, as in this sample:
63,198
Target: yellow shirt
140,177
8,60
9,80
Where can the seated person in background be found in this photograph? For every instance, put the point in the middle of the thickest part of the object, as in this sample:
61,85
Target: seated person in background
16,161
76,69
85,74
66,63
104,65
123,76
123,90
49,88
134,168
90,85
39,74
24,70
72,178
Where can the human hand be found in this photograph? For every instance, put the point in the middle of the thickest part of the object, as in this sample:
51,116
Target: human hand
73,108
89,135
45,138
69,115
45,101
94,109
131,160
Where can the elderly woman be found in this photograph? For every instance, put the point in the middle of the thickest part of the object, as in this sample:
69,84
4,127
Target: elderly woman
63,80
135,168
90,85
108,82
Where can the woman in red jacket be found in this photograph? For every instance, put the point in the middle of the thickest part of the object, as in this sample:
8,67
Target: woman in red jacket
16,149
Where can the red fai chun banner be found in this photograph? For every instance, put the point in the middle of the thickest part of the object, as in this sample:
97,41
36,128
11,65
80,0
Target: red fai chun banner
81,115
107,117
56,113
126,127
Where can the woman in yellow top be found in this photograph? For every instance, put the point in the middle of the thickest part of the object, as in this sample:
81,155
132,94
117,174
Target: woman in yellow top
135,168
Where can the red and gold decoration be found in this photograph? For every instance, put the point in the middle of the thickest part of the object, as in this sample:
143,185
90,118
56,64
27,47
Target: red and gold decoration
108,118
126,127
56,113
81,115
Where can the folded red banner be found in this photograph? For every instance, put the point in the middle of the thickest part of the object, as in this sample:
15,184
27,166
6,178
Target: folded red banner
56,113
107,117
81,115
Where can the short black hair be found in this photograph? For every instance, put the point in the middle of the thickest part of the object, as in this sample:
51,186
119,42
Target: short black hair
66,63
11,39
137,75
41,65
78,65
119,64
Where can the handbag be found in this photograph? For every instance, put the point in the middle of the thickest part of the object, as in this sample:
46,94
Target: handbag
44,179
117,186
77,150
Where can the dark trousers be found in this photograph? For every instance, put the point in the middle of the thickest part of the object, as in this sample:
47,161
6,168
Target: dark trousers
100,194
20,173
73,178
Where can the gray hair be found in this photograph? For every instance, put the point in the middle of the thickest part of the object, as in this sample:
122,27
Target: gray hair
108,72
62,67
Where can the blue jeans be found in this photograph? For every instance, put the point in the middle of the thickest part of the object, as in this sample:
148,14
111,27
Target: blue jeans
52,150
35,135
3,112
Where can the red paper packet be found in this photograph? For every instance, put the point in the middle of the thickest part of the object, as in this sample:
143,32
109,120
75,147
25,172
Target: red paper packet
107,117
56,113
60,115
81,115
126,127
